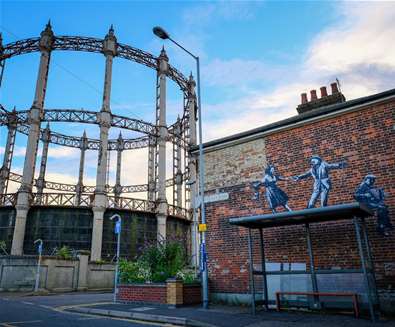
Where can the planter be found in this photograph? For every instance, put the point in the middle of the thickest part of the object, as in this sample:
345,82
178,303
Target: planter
192,294
173,292
142,293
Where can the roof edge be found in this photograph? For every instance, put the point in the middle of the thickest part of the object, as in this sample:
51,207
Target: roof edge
298,118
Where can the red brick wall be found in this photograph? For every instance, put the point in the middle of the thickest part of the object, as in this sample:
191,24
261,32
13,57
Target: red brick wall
192,294
365,139
143,293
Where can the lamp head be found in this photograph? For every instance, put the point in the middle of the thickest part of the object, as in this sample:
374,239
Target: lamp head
116,216
160,32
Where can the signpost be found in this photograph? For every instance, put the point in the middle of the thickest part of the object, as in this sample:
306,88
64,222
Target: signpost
117,231
40,250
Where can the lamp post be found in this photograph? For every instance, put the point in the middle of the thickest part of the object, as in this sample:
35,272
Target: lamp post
40,250
117,231
161,33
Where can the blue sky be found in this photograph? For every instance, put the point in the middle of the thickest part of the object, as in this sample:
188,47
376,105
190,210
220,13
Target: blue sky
257,57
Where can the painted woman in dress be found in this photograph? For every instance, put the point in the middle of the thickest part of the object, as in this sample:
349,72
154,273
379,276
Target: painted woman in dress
275,196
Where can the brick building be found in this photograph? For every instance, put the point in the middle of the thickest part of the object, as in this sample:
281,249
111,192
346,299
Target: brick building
361,132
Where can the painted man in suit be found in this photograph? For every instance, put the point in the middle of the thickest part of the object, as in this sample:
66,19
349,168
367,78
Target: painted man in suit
322,184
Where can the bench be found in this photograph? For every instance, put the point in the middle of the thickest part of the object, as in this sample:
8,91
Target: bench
354,297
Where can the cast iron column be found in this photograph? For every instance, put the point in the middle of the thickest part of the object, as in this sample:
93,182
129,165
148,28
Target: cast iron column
118,188
100,202
43,165
178,176
8,152
80,184
35,114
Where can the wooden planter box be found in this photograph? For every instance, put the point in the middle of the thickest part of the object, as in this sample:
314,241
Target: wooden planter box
174,292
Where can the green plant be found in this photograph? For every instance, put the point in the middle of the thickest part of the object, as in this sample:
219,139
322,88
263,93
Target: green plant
187,275
134,272
64,253
156,263
164,260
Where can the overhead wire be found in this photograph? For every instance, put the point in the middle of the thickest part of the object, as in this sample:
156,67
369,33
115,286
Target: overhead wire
93,87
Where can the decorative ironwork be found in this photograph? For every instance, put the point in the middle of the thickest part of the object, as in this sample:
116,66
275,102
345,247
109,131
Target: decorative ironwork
131,204
177,212
83,195
8,199
90,44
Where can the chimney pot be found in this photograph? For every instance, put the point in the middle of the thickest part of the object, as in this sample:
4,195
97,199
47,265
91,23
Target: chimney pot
304,98
324,93
334,88
313,95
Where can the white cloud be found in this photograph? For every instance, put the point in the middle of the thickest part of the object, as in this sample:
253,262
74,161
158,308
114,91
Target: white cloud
238,72
63,152
358,49
365,36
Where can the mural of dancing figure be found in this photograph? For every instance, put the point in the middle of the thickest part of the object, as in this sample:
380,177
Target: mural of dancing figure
374,198
275,196
322,184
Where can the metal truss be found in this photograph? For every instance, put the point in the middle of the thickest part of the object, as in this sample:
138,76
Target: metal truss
8,200
133,124
60,199
131,204
89,44
68,200
185,132
87,189
66,194
178,212
84,117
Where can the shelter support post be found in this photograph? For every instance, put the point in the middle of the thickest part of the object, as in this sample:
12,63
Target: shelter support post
162,205
313,276
370,260
264,275
364,268
251,264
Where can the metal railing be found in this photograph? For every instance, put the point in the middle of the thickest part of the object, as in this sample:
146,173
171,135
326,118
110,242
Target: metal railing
8,199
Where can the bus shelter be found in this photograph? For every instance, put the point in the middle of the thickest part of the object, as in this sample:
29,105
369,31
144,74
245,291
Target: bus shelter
354,211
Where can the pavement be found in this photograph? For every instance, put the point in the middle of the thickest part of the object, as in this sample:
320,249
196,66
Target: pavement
97,310
223,316
22,310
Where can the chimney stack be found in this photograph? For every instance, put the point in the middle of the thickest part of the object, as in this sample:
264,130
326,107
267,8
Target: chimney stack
304,98
323,92
313,95
323,101
334,88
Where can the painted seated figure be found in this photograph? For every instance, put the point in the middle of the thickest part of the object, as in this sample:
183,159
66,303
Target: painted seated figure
374,198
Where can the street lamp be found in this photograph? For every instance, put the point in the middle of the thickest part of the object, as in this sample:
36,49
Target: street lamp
161,33
117,231
39,250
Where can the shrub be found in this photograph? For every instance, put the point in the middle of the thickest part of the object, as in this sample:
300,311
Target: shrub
187,275
134,272
156,263
64,253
